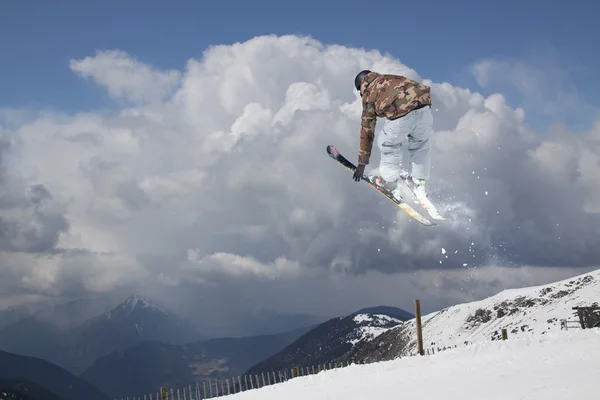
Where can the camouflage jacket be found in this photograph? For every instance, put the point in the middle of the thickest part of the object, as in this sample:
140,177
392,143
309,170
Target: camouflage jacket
389,96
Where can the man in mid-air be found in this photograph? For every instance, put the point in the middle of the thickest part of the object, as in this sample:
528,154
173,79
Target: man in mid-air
406,105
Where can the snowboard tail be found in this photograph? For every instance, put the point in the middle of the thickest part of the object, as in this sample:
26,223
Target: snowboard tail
374,183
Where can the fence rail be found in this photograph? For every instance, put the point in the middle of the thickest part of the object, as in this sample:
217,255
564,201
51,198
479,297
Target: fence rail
213,388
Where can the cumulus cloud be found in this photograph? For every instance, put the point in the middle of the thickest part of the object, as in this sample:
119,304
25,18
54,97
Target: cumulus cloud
218,174
126,78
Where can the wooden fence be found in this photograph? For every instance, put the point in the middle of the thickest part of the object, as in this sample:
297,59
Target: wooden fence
211,388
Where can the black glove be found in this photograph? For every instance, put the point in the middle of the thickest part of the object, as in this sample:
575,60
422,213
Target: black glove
358,172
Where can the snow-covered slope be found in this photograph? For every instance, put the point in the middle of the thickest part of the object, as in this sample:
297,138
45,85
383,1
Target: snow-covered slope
554,366
533,310
523,312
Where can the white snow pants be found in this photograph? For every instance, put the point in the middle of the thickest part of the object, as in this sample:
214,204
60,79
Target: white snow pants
413,131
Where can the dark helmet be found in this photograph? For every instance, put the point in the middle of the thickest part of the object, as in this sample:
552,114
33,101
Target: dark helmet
359,78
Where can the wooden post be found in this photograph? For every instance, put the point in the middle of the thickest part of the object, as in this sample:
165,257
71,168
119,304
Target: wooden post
294,372
163,393
504,334
419,327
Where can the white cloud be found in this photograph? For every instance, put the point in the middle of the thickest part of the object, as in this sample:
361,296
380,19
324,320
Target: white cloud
126,78
234,265
227,158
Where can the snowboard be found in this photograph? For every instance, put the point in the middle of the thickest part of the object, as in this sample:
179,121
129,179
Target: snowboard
376,183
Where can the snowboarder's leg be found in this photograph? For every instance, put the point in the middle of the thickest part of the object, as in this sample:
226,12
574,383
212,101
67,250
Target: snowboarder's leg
419,146
419,143
391,142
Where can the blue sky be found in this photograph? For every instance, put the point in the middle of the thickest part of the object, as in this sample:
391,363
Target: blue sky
440,39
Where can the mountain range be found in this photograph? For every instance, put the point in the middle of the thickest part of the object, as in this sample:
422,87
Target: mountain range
75,347
135,348
160,346
144,367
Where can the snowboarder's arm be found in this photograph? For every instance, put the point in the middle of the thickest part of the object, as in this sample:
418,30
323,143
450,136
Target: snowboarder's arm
367,132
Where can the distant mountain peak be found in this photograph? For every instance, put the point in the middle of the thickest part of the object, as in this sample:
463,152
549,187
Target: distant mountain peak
138,300
369,326
133,304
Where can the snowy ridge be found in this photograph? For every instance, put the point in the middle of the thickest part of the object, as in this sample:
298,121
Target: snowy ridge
329,341
535,310
370,326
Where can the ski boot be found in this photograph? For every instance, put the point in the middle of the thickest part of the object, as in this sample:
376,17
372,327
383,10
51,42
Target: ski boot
396,191
417,186
382,183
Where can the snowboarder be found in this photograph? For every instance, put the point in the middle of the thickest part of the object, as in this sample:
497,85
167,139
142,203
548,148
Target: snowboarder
406,105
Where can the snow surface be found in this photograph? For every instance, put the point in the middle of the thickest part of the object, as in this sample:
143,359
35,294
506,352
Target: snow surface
359,318
536,310
556,365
